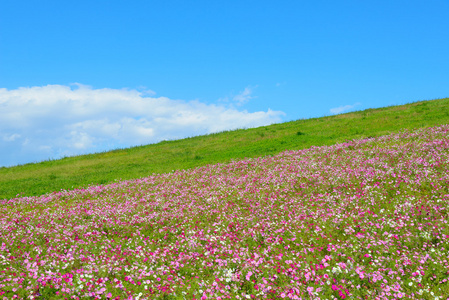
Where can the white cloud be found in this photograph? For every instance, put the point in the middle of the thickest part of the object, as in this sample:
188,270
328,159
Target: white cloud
42,122
338,110
241,98
244,96
11,137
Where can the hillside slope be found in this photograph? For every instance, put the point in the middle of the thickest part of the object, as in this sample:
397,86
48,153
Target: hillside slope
363,219
136,162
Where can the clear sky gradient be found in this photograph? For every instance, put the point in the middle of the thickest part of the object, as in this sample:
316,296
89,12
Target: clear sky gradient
87,76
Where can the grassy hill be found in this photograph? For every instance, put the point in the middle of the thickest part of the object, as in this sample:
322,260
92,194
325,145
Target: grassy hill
136,162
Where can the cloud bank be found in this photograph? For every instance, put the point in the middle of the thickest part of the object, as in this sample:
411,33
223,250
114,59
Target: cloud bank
338,110
43,122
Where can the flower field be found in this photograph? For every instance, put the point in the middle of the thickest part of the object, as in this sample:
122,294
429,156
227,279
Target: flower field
365,219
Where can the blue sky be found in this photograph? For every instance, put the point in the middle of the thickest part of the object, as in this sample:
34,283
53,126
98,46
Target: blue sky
88,76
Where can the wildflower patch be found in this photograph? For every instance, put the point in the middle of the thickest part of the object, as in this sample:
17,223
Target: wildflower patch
361,219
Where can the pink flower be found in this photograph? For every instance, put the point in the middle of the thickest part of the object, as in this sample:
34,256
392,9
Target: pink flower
248,276
109,295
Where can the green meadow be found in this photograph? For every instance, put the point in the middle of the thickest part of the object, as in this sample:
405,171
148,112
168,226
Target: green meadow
136,162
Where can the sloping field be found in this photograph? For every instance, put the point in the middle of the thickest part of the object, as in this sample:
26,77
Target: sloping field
361,219
132,163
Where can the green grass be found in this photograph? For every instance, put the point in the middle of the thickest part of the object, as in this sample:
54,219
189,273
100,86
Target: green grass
100,168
